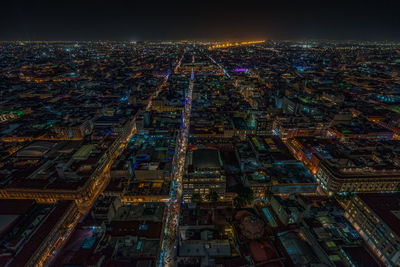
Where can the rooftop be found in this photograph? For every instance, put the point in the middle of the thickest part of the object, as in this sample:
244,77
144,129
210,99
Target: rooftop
206,158
386,207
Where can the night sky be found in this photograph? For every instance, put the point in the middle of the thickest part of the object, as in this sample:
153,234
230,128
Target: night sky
201,19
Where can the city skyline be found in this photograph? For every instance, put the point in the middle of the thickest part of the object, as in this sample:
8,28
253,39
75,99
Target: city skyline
182,154
173,20
200,133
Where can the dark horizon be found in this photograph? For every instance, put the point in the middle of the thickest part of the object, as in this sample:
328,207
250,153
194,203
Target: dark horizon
129,21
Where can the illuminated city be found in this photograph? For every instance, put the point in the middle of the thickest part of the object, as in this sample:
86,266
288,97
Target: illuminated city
252,150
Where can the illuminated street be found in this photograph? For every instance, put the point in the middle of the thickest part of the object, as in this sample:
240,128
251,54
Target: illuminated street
171,223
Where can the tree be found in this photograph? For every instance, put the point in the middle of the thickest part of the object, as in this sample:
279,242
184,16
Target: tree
212,196
196,198
268,193
344,197
245,196
238,202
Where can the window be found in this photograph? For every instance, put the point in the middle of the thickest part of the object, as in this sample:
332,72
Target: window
143,227
139,245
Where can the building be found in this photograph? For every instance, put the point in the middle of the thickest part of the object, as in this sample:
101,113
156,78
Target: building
263,126
204,173
31,231
377,218
356,166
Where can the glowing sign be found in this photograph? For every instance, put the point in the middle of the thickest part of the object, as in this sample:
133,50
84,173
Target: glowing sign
241,70
6,115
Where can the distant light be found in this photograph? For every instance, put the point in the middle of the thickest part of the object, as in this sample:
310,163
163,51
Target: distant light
241,70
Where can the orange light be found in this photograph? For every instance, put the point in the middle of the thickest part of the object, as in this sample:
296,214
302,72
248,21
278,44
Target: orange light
235,44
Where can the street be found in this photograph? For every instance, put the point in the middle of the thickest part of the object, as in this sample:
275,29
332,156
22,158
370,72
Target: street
170,231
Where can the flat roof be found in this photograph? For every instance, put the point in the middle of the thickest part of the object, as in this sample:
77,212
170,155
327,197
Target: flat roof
36,149
6,221
84,151
360,256
206,158
386,206
23,255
